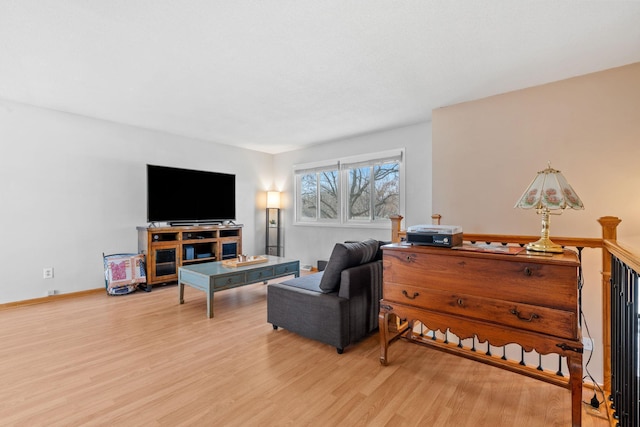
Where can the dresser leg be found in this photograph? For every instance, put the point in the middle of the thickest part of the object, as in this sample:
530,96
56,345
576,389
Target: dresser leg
383,328
410,334
575,378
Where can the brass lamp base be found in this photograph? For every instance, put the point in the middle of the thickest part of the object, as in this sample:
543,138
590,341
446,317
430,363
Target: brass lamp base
544,245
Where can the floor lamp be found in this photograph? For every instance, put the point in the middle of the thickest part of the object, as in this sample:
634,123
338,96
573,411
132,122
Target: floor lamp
273,237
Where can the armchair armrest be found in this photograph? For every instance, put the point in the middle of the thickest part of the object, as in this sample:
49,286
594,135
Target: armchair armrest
362,286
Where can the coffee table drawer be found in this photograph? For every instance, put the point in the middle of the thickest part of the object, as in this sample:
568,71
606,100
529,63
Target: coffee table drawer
283,269
261,274
226,281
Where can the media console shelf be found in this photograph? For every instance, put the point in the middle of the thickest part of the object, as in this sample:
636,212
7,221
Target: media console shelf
168,248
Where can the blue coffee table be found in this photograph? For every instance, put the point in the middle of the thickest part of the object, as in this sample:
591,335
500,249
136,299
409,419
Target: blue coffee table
213,277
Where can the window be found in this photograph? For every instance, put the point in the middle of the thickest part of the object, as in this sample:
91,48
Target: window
317,194
359,190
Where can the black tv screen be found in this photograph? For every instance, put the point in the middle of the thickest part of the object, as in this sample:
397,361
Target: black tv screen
177,195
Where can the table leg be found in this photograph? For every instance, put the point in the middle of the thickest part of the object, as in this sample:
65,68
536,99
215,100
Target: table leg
181,292
210,302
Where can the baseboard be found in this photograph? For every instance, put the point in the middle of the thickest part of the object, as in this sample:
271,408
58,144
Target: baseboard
51,298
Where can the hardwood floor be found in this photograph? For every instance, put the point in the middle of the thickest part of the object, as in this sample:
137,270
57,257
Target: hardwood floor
144,360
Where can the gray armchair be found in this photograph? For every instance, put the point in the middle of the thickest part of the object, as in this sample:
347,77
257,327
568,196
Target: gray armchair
337,306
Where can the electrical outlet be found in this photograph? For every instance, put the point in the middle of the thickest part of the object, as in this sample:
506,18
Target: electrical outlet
587,343
47,272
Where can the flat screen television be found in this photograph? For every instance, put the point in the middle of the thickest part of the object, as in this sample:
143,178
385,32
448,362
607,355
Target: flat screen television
186,196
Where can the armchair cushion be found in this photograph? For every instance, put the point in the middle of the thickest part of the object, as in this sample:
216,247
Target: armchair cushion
309,282
346,255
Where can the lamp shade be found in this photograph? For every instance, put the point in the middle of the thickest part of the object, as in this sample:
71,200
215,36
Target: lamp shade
273,199
549,190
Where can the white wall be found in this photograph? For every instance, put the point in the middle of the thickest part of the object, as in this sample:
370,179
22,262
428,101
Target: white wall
310,243
72,188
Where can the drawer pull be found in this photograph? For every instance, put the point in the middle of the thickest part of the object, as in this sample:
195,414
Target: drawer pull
411,258
406,294
460,301
524,319
527,271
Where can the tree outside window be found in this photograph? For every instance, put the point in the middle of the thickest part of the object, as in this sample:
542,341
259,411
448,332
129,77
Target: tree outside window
308,196
318,196
329,207
374,192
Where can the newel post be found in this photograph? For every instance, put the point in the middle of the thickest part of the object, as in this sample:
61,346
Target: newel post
396,223
609,232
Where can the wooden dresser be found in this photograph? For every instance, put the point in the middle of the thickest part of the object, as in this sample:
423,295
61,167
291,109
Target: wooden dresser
529,300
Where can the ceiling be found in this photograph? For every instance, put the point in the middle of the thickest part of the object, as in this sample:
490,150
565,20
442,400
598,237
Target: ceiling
277,75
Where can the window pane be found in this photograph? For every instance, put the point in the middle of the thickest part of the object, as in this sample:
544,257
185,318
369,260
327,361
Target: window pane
328,194
387,190
360,193
308,196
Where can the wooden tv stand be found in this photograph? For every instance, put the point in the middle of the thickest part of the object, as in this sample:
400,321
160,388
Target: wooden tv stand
525,299
169,248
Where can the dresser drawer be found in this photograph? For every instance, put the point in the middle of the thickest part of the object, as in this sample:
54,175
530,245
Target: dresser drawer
509,278
518,315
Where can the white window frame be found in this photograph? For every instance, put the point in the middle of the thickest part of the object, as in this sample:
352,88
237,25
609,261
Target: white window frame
342,166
